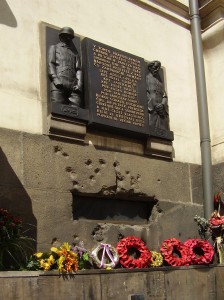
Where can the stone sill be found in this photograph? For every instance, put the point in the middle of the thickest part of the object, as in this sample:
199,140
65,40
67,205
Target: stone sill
18,274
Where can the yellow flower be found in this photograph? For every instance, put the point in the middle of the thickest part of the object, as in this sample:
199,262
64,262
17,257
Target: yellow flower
38,254
61,263
42,263
46,266
51,260
73,254
54,249
65,246
157,259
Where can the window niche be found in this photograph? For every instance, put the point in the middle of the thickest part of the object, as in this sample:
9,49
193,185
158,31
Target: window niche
111,210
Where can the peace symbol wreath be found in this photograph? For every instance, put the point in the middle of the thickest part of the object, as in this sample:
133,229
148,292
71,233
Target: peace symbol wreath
108,250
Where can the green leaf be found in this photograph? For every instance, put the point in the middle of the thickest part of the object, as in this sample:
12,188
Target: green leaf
85,256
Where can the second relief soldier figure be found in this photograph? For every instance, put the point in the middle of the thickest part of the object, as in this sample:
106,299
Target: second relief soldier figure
157,98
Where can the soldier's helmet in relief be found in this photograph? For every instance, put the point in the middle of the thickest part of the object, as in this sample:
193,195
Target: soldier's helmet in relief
67,30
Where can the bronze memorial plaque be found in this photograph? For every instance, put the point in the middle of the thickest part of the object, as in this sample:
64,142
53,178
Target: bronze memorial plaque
115,89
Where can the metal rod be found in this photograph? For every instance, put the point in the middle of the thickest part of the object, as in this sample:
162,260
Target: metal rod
202,108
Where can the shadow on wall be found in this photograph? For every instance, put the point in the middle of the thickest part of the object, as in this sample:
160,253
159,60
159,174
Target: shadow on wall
212,41
15,199
6,15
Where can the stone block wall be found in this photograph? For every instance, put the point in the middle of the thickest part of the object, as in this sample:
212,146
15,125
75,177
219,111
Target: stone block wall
59,188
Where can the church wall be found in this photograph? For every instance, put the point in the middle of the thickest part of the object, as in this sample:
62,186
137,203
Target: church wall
60,190
42,177
121,24
214,67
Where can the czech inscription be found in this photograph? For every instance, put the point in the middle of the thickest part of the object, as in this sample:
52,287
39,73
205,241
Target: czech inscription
117,94
119,76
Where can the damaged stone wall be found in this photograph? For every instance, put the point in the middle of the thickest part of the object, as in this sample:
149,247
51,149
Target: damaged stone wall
41,179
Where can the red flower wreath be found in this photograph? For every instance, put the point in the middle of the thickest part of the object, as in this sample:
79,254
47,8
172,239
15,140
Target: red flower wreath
131,242
201,251
171,247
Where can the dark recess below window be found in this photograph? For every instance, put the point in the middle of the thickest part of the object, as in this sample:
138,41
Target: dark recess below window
112,210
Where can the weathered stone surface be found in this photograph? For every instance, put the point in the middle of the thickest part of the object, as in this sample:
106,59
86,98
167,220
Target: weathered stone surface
155,282
165,180
11,161
196,183
53,173
218,175
64,166
219,282
54,214
186,283
112,233
119,287
172,220
190,284
87,170
74,287
19,288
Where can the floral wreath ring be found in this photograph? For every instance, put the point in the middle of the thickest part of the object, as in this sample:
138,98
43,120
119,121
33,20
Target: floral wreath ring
168,249
111,253
157,259
126,260
206,250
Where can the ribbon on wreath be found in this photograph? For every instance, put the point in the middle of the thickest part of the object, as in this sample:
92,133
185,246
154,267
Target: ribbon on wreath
106,248
111,253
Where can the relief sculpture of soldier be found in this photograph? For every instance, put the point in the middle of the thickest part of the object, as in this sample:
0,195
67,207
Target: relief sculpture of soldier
64,70
157,98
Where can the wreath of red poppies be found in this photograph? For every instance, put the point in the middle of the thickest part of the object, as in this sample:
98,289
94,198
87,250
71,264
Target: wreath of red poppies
131,242
201,251
175,253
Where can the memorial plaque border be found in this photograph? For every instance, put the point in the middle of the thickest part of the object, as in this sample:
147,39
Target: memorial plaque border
85,113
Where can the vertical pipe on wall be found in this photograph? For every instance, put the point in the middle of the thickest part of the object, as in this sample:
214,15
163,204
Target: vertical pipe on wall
202,108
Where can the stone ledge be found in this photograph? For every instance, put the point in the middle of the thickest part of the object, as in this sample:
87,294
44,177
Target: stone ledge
66,128
14,274
211,13
159,148
203,282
